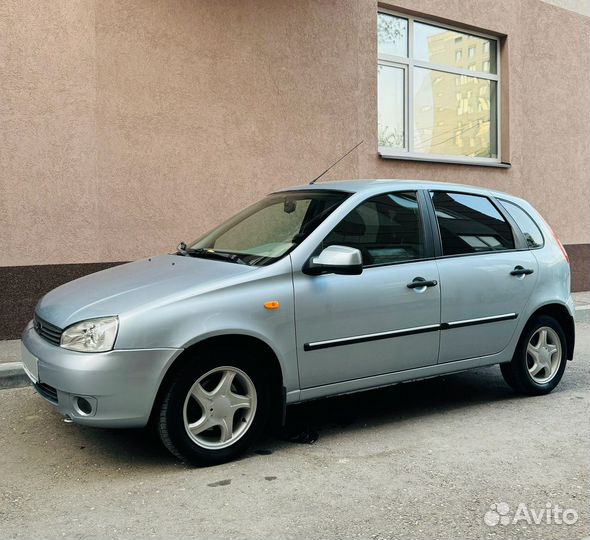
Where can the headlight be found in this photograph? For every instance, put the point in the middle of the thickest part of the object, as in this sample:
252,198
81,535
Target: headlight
93,335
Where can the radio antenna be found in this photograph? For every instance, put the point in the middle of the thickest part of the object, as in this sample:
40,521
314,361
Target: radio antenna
336,162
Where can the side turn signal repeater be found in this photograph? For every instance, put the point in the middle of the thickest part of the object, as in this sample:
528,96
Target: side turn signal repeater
273,304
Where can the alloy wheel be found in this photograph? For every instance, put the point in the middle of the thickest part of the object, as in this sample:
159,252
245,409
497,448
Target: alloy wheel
220,407
544,355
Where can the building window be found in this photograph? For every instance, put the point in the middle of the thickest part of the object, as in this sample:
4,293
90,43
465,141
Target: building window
422,74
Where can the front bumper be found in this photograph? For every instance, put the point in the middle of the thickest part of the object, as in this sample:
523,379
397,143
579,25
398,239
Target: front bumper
120,385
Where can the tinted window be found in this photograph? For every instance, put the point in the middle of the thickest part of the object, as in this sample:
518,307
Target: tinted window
470,224
386,229
529,228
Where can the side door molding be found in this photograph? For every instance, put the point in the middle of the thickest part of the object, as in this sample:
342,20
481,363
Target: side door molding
315,345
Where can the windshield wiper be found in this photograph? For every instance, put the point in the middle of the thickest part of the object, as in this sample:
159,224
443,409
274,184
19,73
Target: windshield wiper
212,254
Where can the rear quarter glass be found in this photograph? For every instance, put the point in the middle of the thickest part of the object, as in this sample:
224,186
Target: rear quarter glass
526,223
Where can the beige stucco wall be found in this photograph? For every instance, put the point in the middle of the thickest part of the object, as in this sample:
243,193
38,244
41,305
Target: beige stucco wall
126,126
48,141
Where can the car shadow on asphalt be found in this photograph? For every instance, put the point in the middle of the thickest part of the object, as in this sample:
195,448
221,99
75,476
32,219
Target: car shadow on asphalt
307,422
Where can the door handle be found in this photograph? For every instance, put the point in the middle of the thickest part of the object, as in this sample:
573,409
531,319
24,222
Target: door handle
520,271
419,282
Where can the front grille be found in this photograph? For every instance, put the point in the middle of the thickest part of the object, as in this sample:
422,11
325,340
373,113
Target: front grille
48,392
47,330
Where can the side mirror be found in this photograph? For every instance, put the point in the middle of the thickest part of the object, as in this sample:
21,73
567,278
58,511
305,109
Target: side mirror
335,260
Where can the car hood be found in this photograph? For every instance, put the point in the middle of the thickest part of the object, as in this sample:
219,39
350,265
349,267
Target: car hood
128,287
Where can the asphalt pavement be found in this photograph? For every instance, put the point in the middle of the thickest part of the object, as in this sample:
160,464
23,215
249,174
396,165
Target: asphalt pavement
459,456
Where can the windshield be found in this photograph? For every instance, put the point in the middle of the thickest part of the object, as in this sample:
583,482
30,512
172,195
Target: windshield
271,228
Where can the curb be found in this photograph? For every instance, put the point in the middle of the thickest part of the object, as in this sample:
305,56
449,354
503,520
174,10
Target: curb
583,313
12,374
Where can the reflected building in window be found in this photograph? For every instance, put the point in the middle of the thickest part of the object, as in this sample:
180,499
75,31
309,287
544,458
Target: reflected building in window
454,113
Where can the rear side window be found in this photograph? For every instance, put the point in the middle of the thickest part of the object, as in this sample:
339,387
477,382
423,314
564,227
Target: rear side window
532,233
470,224
386,229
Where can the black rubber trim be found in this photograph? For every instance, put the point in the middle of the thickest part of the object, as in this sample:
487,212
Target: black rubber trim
447,326
402,333
363,339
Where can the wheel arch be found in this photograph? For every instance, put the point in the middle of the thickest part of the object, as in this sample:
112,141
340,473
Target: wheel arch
560,313
245,344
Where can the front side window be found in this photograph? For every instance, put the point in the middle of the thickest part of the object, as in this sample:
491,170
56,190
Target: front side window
470,224
532,233
386,229
269,229
437,91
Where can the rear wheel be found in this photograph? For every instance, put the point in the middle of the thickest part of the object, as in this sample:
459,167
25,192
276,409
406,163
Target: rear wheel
539,360
212,410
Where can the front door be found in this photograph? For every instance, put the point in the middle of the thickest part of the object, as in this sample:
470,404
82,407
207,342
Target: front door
351,327
486,281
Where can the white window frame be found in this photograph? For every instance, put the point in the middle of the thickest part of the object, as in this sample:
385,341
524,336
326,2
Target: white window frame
408,64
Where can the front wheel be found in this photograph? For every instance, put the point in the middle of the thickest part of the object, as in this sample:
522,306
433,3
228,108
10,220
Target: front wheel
539,360
212,410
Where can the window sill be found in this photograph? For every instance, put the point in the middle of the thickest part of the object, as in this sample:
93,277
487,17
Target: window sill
446,160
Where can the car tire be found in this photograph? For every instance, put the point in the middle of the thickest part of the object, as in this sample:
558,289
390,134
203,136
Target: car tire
213,408
539,359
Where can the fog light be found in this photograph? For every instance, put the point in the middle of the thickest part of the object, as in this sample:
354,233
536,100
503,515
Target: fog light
83,405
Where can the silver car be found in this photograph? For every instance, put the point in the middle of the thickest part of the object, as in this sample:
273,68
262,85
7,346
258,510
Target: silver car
314,291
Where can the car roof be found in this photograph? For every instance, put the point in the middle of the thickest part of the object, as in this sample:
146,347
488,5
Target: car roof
383,184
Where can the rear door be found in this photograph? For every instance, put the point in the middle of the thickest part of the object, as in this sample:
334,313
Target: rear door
486,272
